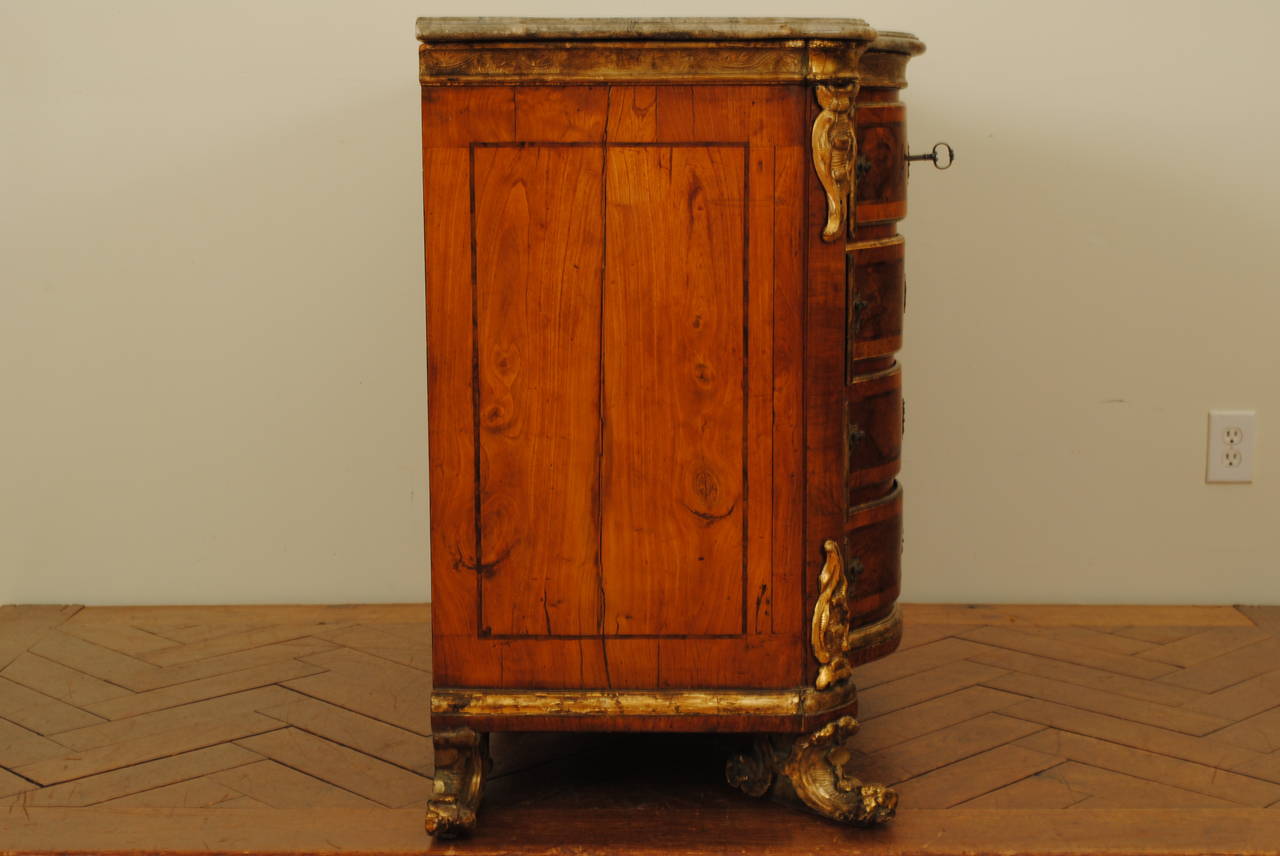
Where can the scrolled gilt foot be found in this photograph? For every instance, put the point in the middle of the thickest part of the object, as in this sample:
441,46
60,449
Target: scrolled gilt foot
811,769
462,760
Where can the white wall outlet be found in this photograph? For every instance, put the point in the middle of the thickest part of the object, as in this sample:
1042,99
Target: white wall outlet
1231,443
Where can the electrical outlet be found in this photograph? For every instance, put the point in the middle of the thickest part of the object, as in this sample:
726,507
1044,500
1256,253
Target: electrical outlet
1231,445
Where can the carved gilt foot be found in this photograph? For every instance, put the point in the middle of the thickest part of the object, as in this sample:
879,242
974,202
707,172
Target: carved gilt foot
462,760
810,769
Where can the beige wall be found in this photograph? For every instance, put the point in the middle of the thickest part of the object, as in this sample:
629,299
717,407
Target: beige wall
211,310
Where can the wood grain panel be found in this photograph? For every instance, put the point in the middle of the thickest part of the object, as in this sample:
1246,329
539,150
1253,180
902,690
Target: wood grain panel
560,113
453,118
537,268
447,220
633,116
673,489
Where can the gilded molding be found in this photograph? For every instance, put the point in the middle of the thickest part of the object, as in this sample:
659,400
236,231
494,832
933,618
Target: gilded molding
835,151
811,769
603,703
461,761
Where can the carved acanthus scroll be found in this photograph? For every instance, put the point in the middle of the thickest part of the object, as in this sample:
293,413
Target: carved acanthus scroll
831,635
812,769
835,151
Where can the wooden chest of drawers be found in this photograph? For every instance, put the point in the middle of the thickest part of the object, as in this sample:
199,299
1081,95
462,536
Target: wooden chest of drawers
664,292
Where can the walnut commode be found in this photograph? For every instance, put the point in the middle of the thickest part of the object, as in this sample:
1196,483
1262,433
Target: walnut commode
664,293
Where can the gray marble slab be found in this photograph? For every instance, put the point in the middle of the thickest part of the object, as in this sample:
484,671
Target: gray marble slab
711,29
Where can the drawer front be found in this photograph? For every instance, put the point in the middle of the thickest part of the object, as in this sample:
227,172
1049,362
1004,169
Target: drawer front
874,424
873,545
880,190
877,298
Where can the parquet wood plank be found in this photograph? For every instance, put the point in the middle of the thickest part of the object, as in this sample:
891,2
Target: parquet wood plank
38,712
1260,733
19,746
1074,695
1205,645
76,764
901,663
1241,700
140,676
1260,767
1157,635
923,686
1052,615
1187,775
11,784
948,745
203,792
1264,617
919,719
136,778
1220,672
23,626
371,686
189,634
974,776
413,651
1201,750
1041,791
915,635
1085,676
233,643
386,742
381,782
193,691
1111,790
173,718
1101,638
58,681
118,637
1002,637
279,786
91,659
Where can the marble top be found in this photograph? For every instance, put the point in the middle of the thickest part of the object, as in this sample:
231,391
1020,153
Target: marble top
601,29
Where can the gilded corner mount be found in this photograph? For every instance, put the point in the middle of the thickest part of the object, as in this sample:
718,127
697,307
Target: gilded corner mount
835,150
833,636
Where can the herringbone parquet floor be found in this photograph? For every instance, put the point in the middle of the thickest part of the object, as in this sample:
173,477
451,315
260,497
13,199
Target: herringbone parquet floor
120,723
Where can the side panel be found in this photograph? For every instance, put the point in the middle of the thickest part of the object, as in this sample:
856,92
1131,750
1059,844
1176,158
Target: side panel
616,323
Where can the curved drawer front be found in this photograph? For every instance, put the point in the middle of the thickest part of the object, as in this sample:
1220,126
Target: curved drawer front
873,554
880,189
874,420
877,297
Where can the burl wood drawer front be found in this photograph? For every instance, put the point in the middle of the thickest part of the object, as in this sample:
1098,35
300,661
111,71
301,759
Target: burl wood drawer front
875,433
615,292
877,298
880,193
873,547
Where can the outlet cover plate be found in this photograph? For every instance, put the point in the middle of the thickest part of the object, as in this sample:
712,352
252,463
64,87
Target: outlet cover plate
1232,435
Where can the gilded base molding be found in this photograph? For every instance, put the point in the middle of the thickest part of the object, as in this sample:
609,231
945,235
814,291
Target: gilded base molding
810,769
641,703
462,761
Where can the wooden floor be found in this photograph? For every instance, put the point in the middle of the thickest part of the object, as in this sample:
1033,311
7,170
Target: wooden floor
291,729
